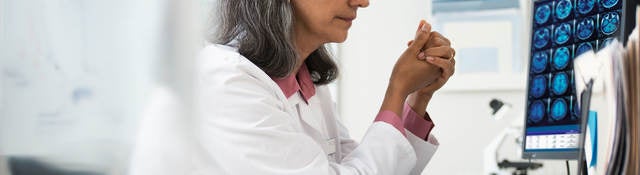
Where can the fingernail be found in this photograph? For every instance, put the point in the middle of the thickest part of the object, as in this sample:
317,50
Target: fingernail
424,27
431,58
421,55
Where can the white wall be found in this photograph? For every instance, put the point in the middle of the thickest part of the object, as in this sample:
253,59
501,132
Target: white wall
463,124
377,38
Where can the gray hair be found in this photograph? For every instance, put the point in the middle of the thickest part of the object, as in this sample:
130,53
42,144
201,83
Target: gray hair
262,30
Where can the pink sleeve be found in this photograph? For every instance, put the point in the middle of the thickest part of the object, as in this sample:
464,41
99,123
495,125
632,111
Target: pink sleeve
416,124
392,118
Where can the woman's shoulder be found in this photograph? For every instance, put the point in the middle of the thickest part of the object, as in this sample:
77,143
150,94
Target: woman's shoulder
216,57
222,66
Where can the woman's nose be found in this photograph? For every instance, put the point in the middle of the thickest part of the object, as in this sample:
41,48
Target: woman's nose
359,3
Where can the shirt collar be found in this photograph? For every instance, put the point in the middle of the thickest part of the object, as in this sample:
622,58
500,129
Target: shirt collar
297,82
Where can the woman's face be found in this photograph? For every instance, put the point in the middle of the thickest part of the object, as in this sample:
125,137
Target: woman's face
325,20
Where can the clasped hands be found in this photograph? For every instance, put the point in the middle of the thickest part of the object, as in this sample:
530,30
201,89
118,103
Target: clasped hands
423,68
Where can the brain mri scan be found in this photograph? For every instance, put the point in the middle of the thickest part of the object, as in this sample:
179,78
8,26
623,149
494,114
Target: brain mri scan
585,28
584,47
537,111
543,13
539,62
609,23
562,33
585,6
563,9
560,83
561,58
559,109
562,30
541,38
538,86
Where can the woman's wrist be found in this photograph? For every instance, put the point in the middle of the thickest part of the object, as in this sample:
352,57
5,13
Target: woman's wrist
419,102
394,99
397,89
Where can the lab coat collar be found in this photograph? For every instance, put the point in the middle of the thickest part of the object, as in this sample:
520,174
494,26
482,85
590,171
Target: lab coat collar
297,82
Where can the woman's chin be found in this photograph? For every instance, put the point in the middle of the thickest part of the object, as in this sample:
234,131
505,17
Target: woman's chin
340,41
339,38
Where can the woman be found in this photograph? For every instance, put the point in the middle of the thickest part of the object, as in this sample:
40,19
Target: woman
265,108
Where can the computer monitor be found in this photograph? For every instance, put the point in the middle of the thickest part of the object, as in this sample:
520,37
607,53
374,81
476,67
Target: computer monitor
561,31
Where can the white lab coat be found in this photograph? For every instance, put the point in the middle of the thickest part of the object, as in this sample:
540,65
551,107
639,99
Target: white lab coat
246,125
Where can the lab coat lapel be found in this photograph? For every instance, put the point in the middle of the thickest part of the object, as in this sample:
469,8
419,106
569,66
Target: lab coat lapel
315,124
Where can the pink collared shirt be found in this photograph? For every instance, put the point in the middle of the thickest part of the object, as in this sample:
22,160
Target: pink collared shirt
302,82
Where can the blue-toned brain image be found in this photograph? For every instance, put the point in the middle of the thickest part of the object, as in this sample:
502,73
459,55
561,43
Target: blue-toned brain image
585,6
542,14
583,47
562,30
609,23
585,28
538,86
539,62
536,111
561,58
562,33
609,3
541,37
560,83
559,109
563,9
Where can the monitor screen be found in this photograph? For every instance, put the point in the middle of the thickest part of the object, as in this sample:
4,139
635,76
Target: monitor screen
562,30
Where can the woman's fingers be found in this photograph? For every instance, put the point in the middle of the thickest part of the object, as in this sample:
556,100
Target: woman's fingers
447,65
440,38
422,36
440,51
422,56
436,39
442,63
424,25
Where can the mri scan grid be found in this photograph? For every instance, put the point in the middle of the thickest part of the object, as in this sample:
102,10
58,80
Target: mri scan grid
562,30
